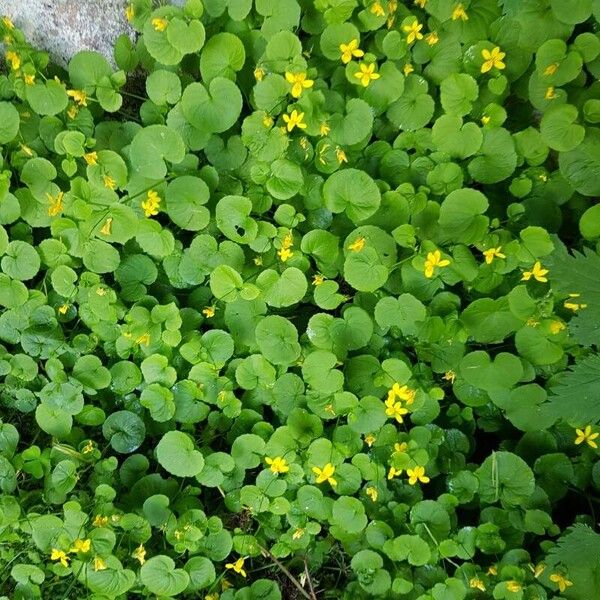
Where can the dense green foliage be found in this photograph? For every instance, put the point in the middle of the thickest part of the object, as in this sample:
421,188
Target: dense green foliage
303,301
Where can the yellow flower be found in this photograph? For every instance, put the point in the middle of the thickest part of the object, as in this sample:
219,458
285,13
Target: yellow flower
492,570
557,327
513,586
459,12
377,10
277,464
109,182
358,244
574,306
91,158
80,545
349,50
421,3
414,31
299,83
537,272
29,79
400,447
550,94
79,96
56,204
159,24
532,322
140,554
402,393
537,570
395,409
89,447
492,253
257,261
237,566
340,155
366,73
298,533
60,556
100,521
407,69
370,439
324,129
259,73
325,474
63,308
450,376
295,119
129,13
143,339
107,227
214,596
318,279
285,252
99,564
267,121
208,312
417,474
432,38
27,150
72,112
561,581
14,60
372,493
8,23
151,203
476,584
393,472
492,59
101,292
434,259
586,435
485,120
551,69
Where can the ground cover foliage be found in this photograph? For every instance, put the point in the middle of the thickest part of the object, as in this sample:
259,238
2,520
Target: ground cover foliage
302,300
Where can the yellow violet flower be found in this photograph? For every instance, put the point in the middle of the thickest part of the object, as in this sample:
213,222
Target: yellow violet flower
81,545
267,121
99,564
492,59
561,581
551,69
214,596
140,554
79,96
586,435
395,410
377,9
357,245
492,570
109,182
513,586
370,439
372,493
299,83
29,79
550,94
537,570
434,259
349,50
459,12
8,23
432,38
56,204
340,155
400,447
557,327
537,272
492,253
14,59
421,3
325,474
318,279
208,312
277,464
476,584
407,69
27,150
143,339
417,474
393,472
151,203
91,158
107,227
63,308
60,556
100,521
89,447
159,24
259,73
324,129
485,120
237,566
129,13
285,252
366,73
298,533
414,31
72,112
450,376
402,393
574,306
295,119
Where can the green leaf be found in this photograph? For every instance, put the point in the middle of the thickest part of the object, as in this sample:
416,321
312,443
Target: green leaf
160,576
462,216
223,56
277,340
176,453
154,145
352,191
480,370
505,477
9,122
559,130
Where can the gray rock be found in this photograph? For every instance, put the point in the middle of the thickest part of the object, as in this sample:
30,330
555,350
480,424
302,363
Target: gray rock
63,27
